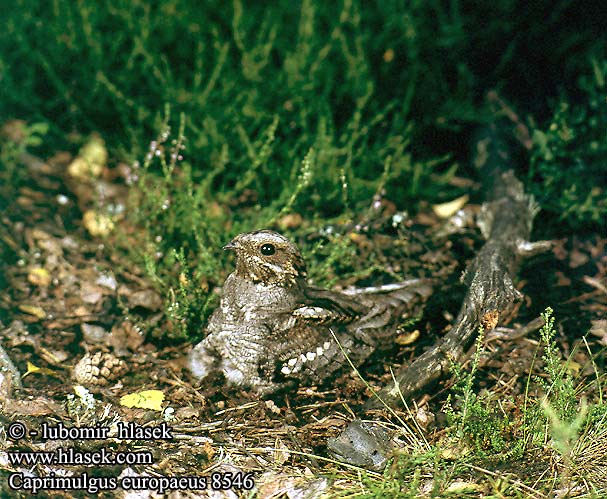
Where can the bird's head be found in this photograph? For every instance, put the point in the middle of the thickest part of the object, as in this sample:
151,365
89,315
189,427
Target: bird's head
268,257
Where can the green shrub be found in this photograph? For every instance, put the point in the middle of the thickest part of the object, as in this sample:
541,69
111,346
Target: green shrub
476,419
569,158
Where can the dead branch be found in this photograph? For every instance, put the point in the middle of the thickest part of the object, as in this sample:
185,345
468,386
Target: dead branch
505,221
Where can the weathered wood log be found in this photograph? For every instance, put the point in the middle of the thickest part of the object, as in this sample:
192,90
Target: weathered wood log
505,221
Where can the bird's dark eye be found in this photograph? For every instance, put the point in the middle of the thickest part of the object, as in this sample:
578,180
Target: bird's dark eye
267,249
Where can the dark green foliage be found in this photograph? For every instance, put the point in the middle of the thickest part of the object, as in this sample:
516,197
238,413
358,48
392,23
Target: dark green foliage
323,68
569,160
308,107
361,83
181,243
313,75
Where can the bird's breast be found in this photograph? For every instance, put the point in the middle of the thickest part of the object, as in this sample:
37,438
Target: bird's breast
247,301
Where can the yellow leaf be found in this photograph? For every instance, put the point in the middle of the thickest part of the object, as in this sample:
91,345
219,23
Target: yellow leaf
148,399
407,338
97,223
90,161
33,310
31,368
445,210
39,277
94,151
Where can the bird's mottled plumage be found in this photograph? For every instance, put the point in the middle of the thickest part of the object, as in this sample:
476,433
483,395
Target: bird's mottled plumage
272,327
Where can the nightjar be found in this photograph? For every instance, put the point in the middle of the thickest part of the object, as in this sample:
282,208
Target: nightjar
272,327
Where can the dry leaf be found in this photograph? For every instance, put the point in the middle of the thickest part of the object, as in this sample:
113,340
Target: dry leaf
31,369
97,224
280,453
90,161
407,338
599,328
424,417
14,130
490,319
446,210
126,335
33,310
39,406
39,277
81,169
270,404
312,489
93,334
272,485
91,293
147,399
145,298
290,221
573,367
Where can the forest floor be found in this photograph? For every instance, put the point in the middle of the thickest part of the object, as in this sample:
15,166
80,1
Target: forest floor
71,293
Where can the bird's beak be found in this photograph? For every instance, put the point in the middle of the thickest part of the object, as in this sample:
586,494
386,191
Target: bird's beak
232,245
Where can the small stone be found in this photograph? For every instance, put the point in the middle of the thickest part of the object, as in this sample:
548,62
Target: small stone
93,334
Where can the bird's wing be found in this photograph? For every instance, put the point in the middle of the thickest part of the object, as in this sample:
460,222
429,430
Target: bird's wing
397,295
359,319
321,306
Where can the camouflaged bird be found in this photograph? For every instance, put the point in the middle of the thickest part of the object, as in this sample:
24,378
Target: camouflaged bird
272,327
